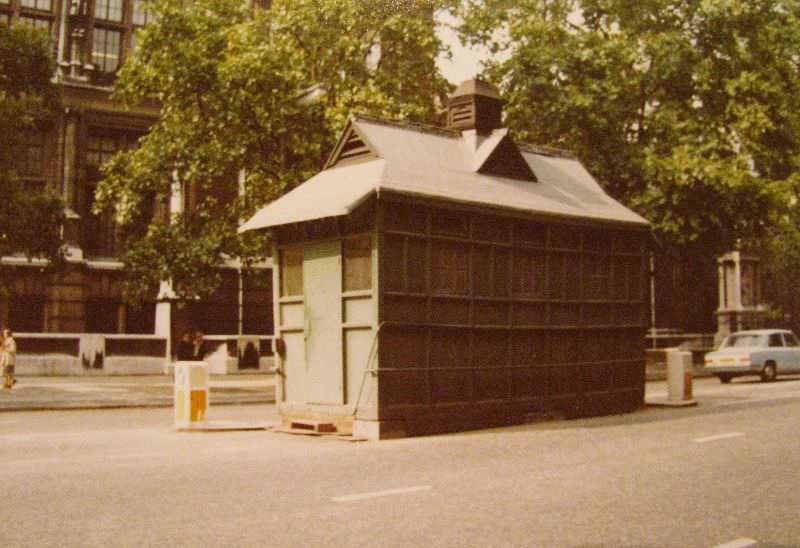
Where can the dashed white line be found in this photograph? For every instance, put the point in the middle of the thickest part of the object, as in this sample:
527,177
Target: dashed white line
716,437
387,492
738,543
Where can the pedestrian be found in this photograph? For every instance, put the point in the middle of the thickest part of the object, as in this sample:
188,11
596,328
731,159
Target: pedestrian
9,358
2,358
185,350
200,347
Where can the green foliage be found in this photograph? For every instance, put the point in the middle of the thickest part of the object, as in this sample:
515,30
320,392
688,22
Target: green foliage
30,221
686,110
236,91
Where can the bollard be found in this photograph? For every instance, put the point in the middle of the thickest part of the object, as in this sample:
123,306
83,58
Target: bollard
679,375
191,394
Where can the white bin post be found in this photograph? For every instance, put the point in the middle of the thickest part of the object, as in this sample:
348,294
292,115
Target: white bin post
191,393
679,375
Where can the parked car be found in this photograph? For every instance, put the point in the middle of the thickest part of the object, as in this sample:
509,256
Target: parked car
764,352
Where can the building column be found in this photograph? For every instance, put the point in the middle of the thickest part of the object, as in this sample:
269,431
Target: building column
69,191
166,294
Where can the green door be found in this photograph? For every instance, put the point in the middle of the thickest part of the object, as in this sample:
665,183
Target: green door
322,284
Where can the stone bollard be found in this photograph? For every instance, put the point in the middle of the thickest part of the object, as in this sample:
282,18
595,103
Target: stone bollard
191,394
679,375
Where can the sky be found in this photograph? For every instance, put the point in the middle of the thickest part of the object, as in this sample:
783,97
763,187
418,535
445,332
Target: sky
465,63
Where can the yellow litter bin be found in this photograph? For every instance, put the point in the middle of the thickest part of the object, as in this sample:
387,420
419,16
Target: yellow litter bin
191,394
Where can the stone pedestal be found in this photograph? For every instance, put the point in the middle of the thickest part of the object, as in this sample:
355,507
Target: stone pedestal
739,276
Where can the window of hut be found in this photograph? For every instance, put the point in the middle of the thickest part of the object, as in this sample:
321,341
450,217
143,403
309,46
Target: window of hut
292,271
530,270
357,252
447,223
599,282
450,268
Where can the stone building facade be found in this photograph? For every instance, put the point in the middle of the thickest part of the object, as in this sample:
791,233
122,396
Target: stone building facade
91,40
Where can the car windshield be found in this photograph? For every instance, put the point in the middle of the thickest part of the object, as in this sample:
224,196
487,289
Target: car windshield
742,341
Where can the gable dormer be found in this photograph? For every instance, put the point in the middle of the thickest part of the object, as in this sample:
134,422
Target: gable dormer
505,160
351,148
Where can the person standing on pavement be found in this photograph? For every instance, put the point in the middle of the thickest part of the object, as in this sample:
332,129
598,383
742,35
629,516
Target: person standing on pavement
9,358
185,349
200,347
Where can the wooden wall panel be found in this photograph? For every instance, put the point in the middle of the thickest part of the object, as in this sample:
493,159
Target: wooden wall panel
502,315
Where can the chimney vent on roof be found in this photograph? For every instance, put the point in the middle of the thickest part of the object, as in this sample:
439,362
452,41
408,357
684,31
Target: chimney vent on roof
474,105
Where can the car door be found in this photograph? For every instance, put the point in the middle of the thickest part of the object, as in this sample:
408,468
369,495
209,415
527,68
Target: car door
792,351
776,351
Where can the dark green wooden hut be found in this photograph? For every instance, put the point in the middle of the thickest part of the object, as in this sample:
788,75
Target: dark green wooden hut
434,279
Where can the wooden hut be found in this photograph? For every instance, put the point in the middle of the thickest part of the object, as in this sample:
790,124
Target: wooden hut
437,279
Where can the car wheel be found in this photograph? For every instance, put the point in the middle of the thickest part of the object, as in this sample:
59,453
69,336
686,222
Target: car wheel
725,379
769,373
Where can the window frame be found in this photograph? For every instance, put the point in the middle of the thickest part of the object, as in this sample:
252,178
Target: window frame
289,287
357,262
37,178
16,13
775,337
102,236
104,55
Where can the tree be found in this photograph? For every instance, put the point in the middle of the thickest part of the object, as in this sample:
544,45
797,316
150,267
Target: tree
686,110
234,90
30,220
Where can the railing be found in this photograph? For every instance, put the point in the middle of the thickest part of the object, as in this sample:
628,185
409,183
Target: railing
119,354
229,354
676,338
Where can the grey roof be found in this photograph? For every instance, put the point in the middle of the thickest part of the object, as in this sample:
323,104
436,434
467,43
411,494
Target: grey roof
475,87
436,163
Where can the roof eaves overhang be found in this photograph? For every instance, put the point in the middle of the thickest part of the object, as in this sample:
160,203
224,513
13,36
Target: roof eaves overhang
331,193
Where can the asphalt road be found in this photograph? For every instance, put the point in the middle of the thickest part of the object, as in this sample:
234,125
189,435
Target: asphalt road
724,473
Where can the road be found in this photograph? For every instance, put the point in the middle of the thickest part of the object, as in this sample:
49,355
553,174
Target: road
724,473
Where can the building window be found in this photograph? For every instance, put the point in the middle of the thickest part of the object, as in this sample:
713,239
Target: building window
530,271
106,49
140,319
102,235
598,282
26,313
108,10
357,272
36,13
36,22
32,158
257,302
102,145
291,271
140,16
42,5
102,315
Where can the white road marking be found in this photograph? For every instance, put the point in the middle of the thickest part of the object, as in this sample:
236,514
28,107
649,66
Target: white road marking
716,437
388,492
738,543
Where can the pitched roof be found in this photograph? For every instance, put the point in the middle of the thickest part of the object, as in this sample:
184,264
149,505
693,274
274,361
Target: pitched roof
438,163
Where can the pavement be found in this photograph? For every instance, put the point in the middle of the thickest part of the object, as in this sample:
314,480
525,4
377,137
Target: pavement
33,393
108,392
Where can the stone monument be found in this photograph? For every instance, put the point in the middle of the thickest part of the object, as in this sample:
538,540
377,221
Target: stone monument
740,306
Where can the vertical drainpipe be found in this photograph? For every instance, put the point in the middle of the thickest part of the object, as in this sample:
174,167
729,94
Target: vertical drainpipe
62,38
166,295
240,319
653,299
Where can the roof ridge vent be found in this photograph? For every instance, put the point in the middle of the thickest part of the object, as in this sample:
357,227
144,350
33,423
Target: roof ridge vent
474,105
